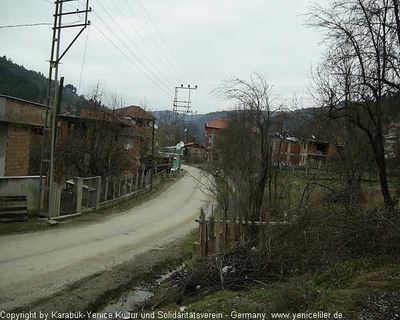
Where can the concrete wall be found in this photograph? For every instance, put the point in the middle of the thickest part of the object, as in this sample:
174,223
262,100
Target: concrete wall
22,186
159,177
19,111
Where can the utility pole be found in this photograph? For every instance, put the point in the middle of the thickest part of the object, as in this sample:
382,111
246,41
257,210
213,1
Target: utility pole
51,119
153,127
182,107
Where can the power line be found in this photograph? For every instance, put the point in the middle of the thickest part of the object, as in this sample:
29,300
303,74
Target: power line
27,25
130,60
35,24
160,84
145,42
133,53
138,48
162,38
122,42
83,60
155,43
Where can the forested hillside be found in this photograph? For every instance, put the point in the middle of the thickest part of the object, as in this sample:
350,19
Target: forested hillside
19,82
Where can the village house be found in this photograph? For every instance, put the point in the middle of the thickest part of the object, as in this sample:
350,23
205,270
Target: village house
195,152
308,153
19,120
21,130
314,153
285,149
213,129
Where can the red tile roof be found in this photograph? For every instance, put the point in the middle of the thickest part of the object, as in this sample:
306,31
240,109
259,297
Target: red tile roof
219,123
134,112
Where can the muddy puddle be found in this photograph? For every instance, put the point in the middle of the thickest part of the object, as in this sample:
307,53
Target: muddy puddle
133,299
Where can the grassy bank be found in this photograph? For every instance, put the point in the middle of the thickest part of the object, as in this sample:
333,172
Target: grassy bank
364,288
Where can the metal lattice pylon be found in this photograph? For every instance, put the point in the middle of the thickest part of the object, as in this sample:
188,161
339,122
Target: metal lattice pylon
54,90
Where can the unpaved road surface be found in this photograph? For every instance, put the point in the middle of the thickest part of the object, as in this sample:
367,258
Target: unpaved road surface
37,265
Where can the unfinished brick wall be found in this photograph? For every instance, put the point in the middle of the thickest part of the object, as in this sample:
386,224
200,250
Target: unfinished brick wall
18,145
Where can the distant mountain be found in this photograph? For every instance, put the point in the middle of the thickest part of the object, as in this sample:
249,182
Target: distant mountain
289,121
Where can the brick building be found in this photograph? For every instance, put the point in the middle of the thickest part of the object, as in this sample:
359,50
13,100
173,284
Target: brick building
314,153
309,153
286,149
213,129
21,129
18,119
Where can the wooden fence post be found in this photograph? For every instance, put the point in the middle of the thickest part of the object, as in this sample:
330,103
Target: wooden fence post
126,185
240,229
212,236
202,233
224,234
218,237
262,228
232,233
137,181
196,252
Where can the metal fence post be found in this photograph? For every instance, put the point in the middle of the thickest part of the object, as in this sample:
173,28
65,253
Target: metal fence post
78,185
142,181
56,201
98,192
130,187
106,190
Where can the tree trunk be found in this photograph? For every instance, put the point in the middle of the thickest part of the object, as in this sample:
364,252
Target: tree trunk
381,163
259,195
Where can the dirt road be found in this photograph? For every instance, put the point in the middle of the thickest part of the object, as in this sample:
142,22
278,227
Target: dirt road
37,265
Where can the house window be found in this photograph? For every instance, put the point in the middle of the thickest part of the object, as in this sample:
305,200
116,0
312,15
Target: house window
322,148
37,131
77,127
139,122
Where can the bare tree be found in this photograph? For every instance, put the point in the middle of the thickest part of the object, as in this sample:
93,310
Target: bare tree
245,145
360,71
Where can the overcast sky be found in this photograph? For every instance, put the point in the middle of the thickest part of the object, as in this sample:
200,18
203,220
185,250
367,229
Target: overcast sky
203,42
